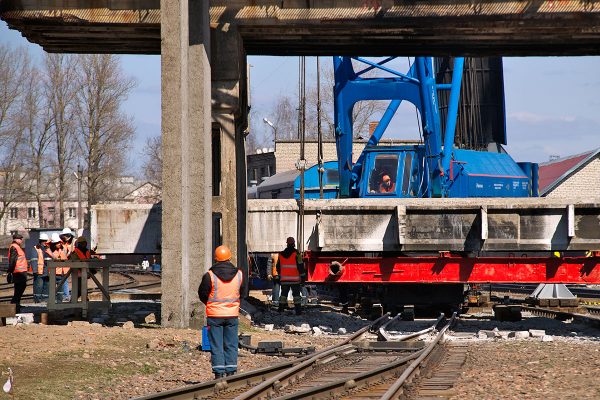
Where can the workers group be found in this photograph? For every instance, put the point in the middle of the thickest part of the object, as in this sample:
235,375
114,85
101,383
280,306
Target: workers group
59,246
220,292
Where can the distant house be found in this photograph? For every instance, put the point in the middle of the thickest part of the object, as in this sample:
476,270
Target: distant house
572,176
148,193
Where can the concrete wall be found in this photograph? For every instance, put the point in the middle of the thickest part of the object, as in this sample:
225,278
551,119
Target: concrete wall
584,182
126,228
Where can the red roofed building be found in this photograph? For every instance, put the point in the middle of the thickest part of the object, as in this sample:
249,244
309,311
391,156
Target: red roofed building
572,176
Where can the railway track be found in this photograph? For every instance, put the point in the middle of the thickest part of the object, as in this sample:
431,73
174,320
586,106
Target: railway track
528,288
131,283
355,368
563,315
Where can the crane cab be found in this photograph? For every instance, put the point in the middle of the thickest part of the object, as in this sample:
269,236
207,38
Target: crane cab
393,172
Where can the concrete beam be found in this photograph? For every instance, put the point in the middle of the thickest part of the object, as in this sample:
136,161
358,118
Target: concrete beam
325,27
187,183
428,225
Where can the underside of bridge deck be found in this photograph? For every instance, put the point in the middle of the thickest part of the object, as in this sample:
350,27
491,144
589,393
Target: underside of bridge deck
326,27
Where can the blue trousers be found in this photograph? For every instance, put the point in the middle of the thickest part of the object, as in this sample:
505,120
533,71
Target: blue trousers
223,337
275,292
38,287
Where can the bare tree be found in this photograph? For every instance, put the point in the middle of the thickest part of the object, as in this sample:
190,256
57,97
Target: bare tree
285,112
37,124
152,168
362,113
105,131
285,117
13,176
61,91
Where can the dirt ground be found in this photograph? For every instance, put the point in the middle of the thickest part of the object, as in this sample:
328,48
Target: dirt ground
88,361
531,370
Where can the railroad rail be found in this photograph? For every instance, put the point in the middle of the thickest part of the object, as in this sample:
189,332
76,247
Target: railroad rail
131,283
354,367
563,315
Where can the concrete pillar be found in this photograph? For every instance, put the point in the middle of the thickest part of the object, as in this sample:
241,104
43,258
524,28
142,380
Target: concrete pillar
187,177
229,111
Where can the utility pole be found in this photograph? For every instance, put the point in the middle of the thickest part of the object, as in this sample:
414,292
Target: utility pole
79,214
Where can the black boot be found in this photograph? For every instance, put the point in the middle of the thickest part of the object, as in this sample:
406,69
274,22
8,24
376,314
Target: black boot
230,373
219,375
281,308
298,309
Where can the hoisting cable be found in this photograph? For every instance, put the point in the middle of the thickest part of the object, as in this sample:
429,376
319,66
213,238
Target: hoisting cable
319,132
302,134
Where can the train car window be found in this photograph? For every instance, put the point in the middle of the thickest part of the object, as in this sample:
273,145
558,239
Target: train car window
407,172
384,174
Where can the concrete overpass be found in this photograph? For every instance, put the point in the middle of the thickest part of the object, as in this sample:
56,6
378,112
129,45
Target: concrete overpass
204,107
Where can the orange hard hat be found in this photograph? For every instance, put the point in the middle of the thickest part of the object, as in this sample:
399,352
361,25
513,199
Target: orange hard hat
222,253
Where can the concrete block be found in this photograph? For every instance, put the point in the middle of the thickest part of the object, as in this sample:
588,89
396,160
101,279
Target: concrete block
547,338
304,328
78,323
519,334
342,331
569,302
325,328
317,331
26,318
150,318
507,313
537,333
269,327
128,325
485,334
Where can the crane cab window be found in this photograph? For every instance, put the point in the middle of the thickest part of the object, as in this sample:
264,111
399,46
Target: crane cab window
384,174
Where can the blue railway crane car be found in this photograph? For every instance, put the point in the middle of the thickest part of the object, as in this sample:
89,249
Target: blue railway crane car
434,169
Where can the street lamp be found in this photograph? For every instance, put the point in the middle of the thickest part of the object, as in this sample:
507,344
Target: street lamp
266,121
79,176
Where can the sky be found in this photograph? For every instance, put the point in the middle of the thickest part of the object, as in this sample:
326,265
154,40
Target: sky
552,106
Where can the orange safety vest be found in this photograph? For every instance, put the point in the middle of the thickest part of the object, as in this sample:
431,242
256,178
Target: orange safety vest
21,265
289,269
274,259
224,298
40,262
83,256
59,254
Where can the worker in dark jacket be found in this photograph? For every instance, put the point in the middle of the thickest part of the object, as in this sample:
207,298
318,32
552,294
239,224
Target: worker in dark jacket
220,292
17,269
290,269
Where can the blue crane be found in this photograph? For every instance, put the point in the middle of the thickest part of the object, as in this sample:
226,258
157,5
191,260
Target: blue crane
434,169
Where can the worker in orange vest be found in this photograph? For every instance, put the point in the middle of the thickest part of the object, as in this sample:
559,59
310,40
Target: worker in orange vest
58,253
17,269
81,253
220,292
40,273
274,276
66,238
290,269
